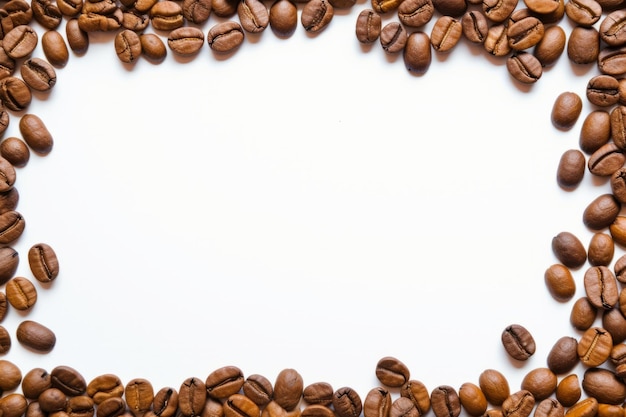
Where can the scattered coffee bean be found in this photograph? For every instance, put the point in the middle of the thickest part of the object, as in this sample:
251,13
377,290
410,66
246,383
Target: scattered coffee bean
35,336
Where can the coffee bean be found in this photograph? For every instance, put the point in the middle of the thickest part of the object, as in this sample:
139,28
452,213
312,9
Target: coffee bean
77,38
260,390
317,410
445,401
12,226
15,94
620,269
135,21
316,15
583,12
618,230
393,37
13,405
403,407
35,381
385,6
318,393
80,406
604,386
288,389
472,399
446,33
8,201
497,43
612,30
15,151
415,13
609,410
368,26
594,346
378,403
111,407
43,262
606,160
68,380
127,46
560,282
19,11
21,293
571,169
166,15
9,260
20,42
7,176
191,397
199,11
584,408
540,382
70,8
566,110
569,250
612,60
549,408
52,400
583,45
601,249
475,26
601,212
525,33
346,402
603,90
563,356
165,402
38,74
494,385
518,404
35,133
518,342
47,13
253,15
186,41
54,48
139,395
601,287
152,47
392,372
498,11
35,336
224,382
417,53
568,391
95,22
595,131
583,314
614,322
283,17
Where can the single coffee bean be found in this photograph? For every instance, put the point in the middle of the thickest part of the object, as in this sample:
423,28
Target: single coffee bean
518,342
445,401
5,340
12,226
498,11
609,410
560,282
166,15
288,389
152,47
35,336
317,410
8,201
283,18
7,175
111,407
21,293
446,33
20,12
70,8
392,372
368,26
620,269
103,387
518,404
77,38
595,131
549,408
139,395
601,249
612,60
43,262
417,392
584,408
566,110
601,212
316,15
415,13
320,393
472,399
563,356
618,230
52,400
38,74
583,45
199,11
393,37
47,13
475,26
569,250
135,21
494,385
10,375
224,382
15,151
497,43
35,381
80,406
550,48
378,403
54,48
259,389
618,125
20,42
614,322
9,260
568,391
603,90
583,314
186,41
525,33
15,94
601,287
253,15
540,382
594,346
612,30
346,402
68,380
604,386
35,133
127,46
583,12
453,8
165,403
606,160
191,397
403,407
417,52
385,6
13,405
571,169
618,355
96,22
101,7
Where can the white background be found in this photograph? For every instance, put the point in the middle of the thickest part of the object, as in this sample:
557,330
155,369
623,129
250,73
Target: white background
302,203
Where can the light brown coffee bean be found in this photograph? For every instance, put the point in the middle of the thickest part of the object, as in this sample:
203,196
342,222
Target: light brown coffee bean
259,389
571,168
618,126
35,381
472,399
392,372
35,133
551,46
601,249
283,18
135,21
224,382
415,13
346,402
253,15
317,410
549,408
595,131
498,11
568,391
393,37
20,42
497,43
13,405
12,225
518,404
603,90
583,45
166,15
417,53
225,37
445,402
21,293
475,26
618,230
38,74
583,314
15,94
518,342
96,22
612,60
612,30
77,39
272,409
111,407
584,408
54,48
9,261
127,46
288,389
540,382
606,160
583,12
20,12
494,385
368,26
35,336
601,212
139,395
316,15
601,287
417,392
560,282
152,47
192,396
525,33
15,151
10,375
186,41
385,6
80,406
566,110
403,407
594,346
446,33
378,403
52,400
569,250
610,410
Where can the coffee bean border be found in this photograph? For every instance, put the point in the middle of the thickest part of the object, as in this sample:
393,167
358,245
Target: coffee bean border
529,39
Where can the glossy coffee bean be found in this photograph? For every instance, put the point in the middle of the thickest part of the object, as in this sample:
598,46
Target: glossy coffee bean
601,212
594,347
568,391
15,151
38,74
583,314
417,53
52,400
446,33
346,402
583,45
77,38
494,385
614,322
316,15
224,382
603,90
43,262
595,131
15,93
415,13
288,389
566,110
192,396
378,403
560,282
472,399
518,342
55,48
618,230
604,386
139,395
35,336
392,372
612,60
551,46
320,393
571,168
445,401
36,134
540,382
619,268
605,161
35,381
563,356
260,390
80,406
569,250
152,47
417,392
283,17
601,249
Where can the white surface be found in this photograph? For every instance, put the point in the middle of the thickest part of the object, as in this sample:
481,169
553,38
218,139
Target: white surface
305,203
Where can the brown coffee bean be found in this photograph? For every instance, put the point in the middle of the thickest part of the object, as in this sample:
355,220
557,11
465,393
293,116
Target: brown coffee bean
318,393
283,18
35,381
601,287
191,397
601,212
15,94
127,46
68,380
165,403
15,151
606,160
316,410
475,26
551,46
224,382
417,392
111,407
604,386
21,293
603,90
571,169
583,12
139,395
446,33
152,47
259,389
52,400
614,322
618,230
80,406
101,7
612,30
453,8
186,41
20,42
560,282
199,11
584,408
583,314
38,74
346,402
288,389
54,48
472,399
253,15
525,33
10,376
7,176
540,382
612,60
497,43
403,407
620,269
8,201
583,45
9,260
378,403
417,53
518,342
518,404
43,262
392,372
610,410
47,13
415,13
595,131
594,346
35,133
549,407
368,26
568,391
618,126
69,8
272,409
569,250
77,39
19,11
385,6
445,402
498,11
166,15
13,405
35,336
316,15
393,37
135,21
601,249
12,225
566,110
563,356
494,385
96,22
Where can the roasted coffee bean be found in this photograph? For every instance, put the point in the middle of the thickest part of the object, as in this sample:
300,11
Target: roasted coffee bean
15,94
9,260
475,26
417,392
571,169
21,293
186,41
601,287
127,46
518,404
612,60
259,389
378,403
494,385
569,250
35,133
601,212
95,22
36,336
563,356
604,386
52,400
603,90
7,68
70,8
13,405
583,45
610,410
35,381
191,397
417,53
568,391
346,402
46,13
540,382
518,342
199,11
111,407
7,177
551,46
595,131
445,402
493,412
392,372
77,39
68,380
549,408
403,407
446,33
43,262
583,12
612,30
15,151
54,48
393,37
166,15
620,269
317,410
5,340
614,322
165,402
316,15
12,226
272,409
618,230
283,17
560,282
453,8
385,6
288,389
368,26
80,406
139,395
583,314
618,355
224,382
566,110
10,376
498,11
415,13
320,393
152,47
135,21
525,33
253,15
497,43
601,249
19,11
584,408
20,42
38,74
472,399
101,7
225,37
594,346
606,160
618,126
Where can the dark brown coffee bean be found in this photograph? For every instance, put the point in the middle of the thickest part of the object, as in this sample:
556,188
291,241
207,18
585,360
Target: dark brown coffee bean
551,46
594,346
560,282
378,403
568,390
152,47
111,407
20,42
392,372
43,262
8,201
385,6
446,33
15,151
601,212
259,389
518,342
21,293
393,37
583,12
583,45
35,381
36,336
563,356
283,17
595,131
498,11
518,404
80,406
601,249
316,15
606,160
603,90
475,26
494,385
569,250
368,26
52,400
571,168
614,322
77,39
318,393
13,405
191,397
253,15
445,401
604,386
186,41
225,37
417,53
127,46
35,133
453,8
472,399
601,287
346,402
566,110
612,60
12,226
38,74
415,13
540,382
47,13
525,33
68,380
